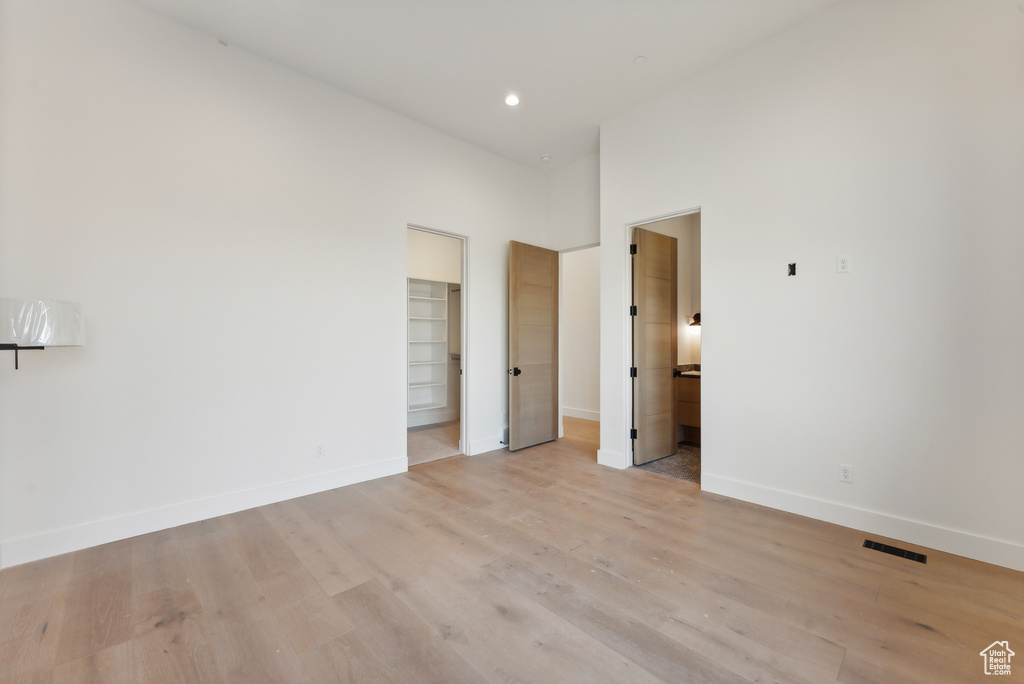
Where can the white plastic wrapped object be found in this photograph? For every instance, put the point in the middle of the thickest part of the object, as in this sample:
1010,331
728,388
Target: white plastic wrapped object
41,323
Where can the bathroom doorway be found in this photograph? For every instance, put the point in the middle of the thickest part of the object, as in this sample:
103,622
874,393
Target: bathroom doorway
666,344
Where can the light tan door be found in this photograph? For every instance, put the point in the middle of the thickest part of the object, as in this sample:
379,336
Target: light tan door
654,345
532,345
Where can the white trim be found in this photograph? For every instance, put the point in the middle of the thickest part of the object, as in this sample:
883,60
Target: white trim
585,414
464,346
592,245
623,456
28,549
432,416
483,446
612,459
959,542
560,409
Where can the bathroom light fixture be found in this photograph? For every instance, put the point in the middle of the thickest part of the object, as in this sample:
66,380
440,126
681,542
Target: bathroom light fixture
694,328
512,100
39,323
545,159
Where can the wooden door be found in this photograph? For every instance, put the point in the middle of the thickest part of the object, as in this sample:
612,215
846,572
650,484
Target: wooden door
654,345
532,345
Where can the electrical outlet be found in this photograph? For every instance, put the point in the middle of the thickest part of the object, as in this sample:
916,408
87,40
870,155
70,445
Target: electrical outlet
320,451
845,473
842,264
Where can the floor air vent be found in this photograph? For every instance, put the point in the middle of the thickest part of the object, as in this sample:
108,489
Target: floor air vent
895,551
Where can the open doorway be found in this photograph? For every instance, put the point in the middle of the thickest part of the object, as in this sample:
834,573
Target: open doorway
436,288
666,391
579,338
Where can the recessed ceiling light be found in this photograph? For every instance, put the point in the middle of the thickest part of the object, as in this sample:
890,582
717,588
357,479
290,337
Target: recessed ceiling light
512,100
546,158
640,59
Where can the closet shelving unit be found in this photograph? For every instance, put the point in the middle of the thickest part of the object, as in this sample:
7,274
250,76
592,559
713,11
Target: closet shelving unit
428,345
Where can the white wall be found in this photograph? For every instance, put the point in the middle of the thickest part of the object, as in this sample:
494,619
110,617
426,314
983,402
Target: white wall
220,219
573,217
573,204
431,256
889,132
579,334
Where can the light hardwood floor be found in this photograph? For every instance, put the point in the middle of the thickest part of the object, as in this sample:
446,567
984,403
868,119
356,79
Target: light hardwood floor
538,566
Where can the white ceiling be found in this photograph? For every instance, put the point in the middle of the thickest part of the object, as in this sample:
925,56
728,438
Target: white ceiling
450,63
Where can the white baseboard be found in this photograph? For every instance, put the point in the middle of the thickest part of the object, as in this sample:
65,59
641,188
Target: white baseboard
581,413
482,446
995,551
431,416
28,549
612,459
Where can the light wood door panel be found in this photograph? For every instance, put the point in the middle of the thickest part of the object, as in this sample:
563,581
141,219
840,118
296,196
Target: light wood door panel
660,424
654,345
532,345
535,265
536,422
658,345
535,345
658,387
660,300
659,263
536,306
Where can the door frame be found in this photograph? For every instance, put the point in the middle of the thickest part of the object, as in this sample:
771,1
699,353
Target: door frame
627,234
464,404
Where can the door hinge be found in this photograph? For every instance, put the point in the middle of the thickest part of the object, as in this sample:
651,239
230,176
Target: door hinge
632,248
632,310
632,372
632,433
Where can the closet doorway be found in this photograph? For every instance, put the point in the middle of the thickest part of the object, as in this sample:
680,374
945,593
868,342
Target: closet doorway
435,337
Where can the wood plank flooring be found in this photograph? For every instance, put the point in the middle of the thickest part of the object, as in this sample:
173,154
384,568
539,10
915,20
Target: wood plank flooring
538,566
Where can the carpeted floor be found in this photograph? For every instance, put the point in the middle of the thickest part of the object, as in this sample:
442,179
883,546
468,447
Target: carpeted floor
432,442
685,464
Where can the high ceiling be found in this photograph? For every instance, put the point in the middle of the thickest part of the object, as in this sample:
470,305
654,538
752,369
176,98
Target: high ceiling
450,64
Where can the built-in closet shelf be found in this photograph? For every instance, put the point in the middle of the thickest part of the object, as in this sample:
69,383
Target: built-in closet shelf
425,407
428,345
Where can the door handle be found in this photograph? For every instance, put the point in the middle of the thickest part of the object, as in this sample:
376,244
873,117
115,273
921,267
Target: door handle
515,371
